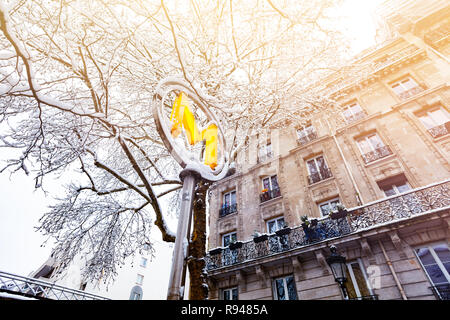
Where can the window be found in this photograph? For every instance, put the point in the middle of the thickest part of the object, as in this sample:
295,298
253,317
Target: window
270,189
278,243
394,185
229,203
140,279
327,206
265,152
228,238
275,224
143,262
146,247
357,285
435,260
353,112
436,121
317,169
230,294
229,256
306,134
284,288
372,148
406,88
136,293
83,286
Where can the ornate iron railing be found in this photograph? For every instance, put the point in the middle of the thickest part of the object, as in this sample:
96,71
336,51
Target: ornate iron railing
270,194
376,154
371,297
226,210
395,208
34,288
440,130
411,92
323,174
355,117
441,292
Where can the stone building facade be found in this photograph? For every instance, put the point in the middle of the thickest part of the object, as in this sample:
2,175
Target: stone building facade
384,157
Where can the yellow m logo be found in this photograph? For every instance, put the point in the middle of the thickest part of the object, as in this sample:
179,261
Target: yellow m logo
181,116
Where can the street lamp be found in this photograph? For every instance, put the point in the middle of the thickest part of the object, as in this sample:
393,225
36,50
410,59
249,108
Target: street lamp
338,266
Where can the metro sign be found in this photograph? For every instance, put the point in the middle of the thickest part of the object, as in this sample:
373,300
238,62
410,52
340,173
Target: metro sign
180,131
181,116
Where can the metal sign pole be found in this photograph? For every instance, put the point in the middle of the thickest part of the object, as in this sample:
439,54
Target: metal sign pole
180,251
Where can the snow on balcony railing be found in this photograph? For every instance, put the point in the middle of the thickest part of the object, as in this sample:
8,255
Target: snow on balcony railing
30,287
424,200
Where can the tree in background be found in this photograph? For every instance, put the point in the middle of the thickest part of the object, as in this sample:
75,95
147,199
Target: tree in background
77,80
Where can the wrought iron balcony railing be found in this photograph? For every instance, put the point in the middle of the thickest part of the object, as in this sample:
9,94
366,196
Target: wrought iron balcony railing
269,195
441,292
323,174
355,117
411,92
424,200
440,130
226,210
34,288
378,153
371,297
307,138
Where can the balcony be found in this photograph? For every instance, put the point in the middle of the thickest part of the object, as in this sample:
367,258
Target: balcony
307,138
411,92
440,130
355,117
323,174
226,210
42,290
441,292
419,201
376,154
269,195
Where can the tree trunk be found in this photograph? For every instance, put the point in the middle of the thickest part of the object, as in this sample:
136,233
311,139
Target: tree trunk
197,247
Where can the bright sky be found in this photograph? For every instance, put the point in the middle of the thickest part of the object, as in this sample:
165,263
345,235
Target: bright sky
21,206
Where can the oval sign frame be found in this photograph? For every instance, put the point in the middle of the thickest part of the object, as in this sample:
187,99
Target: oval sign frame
181,155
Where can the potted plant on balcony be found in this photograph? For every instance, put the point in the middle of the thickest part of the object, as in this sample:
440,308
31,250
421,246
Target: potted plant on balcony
340,212
305,221
257,237
235,245
283,231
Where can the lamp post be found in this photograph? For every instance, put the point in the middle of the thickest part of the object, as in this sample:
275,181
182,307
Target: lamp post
338,267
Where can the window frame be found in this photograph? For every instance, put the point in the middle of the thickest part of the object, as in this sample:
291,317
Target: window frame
139,279
400,81
353,278
436,258
317,166
230,290
270,182
276,220
285,287
228,234
329,201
